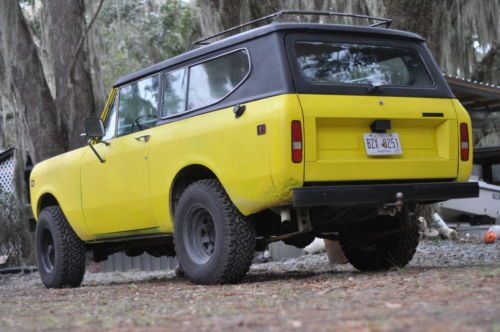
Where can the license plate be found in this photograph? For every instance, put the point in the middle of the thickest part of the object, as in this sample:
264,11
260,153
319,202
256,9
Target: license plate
382,144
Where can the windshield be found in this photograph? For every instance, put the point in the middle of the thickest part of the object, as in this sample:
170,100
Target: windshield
355,64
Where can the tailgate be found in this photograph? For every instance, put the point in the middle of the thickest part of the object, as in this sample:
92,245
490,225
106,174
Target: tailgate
334,128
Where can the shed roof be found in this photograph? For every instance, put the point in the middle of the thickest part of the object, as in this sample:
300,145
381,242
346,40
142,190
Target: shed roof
6,154
487,155
475,95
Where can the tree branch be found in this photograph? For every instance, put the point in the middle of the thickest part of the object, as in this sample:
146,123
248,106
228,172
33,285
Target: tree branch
485,70
82,39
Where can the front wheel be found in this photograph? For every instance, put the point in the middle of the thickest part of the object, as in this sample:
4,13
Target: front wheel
60,253
214,242
367,250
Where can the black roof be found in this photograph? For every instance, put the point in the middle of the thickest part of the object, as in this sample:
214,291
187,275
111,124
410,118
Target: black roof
259,32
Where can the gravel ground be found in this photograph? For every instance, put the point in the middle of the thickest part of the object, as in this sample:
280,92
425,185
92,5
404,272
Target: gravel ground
448,285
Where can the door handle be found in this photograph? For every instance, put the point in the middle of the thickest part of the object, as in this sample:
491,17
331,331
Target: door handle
144,138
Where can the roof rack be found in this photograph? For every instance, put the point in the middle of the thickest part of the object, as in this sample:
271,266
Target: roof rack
379,21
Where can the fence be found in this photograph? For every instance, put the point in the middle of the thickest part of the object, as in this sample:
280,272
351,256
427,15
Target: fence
121,262
11,251
7,172
15,241
144,262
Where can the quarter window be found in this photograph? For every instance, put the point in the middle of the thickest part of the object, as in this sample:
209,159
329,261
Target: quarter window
212,80
174,93
138,105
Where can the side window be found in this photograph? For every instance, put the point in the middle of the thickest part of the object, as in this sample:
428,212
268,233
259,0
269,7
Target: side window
110,122
212,80
174,92
138,105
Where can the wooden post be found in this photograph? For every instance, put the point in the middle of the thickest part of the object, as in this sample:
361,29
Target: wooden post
334,252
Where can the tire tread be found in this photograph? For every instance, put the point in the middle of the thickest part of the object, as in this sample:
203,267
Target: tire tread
396,250
71,248
240,241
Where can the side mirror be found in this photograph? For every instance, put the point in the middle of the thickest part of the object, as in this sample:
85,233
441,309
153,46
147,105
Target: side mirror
94,128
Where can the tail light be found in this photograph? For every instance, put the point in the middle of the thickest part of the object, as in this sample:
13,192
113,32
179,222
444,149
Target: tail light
464,142
296,141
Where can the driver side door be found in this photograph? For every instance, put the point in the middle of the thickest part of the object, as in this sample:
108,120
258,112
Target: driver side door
116,197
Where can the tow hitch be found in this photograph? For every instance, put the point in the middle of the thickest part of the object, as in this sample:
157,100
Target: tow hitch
392,209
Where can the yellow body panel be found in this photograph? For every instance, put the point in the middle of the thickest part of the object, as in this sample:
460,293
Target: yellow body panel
115,194
130,193
255,170
464,167
334,145
60,177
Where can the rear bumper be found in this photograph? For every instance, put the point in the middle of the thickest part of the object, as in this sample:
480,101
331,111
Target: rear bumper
382,193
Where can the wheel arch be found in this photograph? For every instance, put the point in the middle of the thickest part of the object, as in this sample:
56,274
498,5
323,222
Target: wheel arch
45,200
78,225
184,178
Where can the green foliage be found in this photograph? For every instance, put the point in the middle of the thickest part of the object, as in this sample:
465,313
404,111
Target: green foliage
140,33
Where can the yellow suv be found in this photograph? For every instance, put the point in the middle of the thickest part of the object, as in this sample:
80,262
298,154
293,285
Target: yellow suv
288,131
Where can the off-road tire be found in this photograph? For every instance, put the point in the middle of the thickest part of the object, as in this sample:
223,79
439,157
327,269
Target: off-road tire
381,253
68,266
234,239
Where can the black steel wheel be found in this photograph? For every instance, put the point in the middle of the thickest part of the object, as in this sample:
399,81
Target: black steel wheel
200,237
214,242
60,253
48,254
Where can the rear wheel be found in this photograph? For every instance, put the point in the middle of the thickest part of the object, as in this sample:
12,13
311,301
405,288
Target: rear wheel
367,251
214,242
60,253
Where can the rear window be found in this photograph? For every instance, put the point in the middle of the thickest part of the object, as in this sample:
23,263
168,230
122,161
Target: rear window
332,63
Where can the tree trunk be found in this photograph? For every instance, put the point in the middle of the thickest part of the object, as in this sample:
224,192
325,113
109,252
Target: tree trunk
426,19
74,97
219,15
95,46
24,91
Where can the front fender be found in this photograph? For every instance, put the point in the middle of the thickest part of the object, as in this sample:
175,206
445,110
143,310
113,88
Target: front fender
60,178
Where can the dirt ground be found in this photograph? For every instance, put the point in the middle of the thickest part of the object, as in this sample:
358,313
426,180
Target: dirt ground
448,287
